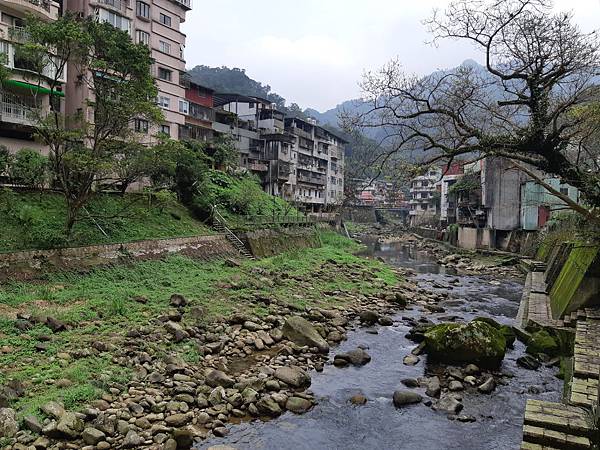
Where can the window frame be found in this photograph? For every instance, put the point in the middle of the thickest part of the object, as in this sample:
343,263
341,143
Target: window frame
165,71
167,21
139,4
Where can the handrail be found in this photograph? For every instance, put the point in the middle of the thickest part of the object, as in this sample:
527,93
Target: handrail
219,218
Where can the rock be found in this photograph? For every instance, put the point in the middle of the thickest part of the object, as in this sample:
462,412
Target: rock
174,328
385,321
55,325
368,317
184,438
268,406
472,369
220,431
455,386
132,440
92,436
410,382
178,300
249,395
8,422
301,332
433,387
542,342
470,379
358,399
293,376
474,342
216,378
529,362
411,360
357,357
70,426
448,404
297,405
488,386
402,398
509,333
53,409
32,423
177,420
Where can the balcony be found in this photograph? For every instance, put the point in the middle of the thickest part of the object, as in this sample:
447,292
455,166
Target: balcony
18,34
118,5
312,179
14,109
43,9
187,4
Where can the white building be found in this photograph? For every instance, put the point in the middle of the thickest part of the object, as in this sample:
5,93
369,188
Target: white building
423,197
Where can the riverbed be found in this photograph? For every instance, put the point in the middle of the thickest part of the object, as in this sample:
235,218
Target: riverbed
336,424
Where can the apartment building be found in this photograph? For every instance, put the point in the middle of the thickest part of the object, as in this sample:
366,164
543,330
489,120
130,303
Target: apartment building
318,162
424,197
199,113
24,97
156,23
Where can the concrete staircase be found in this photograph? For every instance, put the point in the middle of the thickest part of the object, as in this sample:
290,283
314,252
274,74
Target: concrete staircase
220,225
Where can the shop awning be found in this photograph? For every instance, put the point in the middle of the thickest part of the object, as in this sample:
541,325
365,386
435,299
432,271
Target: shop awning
33,87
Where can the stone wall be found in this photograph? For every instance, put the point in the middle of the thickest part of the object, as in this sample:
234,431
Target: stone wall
29,264
264,243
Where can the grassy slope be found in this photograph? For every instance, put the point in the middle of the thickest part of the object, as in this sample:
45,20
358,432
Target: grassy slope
100,307
36,220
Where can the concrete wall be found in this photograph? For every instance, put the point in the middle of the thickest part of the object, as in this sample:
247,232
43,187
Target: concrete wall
30,264
360,214
265,243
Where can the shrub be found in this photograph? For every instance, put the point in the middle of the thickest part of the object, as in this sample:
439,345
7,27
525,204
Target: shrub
5,159
29,168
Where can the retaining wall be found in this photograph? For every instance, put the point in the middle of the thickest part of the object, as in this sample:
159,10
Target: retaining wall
29,264
264,243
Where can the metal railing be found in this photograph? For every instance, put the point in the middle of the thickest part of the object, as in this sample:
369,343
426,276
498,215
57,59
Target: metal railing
186,3
15,111
121,5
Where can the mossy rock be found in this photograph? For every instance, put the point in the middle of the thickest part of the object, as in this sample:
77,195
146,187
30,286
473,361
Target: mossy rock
506,330
475,342
543,342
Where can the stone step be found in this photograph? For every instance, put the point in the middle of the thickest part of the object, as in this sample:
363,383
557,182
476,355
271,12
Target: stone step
554,439
584,391
558,417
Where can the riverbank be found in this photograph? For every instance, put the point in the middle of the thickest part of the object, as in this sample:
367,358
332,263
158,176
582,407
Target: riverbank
164,352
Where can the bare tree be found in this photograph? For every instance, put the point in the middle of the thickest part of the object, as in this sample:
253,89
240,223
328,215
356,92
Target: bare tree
524,104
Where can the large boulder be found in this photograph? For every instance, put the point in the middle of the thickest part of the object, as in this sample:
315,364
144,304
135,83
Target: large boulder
293,376
542,342
8,422
301,332
474,342
357,357
402,398
506,330
216,378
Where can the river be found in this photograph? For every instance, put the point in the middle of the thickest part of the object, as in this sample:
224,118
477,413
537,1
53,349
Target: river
336,424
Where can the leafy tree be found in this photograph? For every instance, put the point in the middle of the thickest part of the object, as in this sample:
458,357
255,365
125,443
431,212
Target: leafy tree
29,168
115,72
5,159
539,68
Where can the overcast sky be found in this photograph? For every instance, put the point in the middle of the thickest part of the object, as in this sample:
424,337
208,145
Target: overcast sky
313,52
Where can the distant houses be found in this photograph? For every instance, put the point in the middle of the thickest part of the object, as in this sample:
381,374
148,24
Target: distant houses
490,202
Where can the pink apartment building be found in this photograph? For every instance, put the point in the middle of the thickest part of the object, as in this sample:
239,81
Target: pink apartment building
156,23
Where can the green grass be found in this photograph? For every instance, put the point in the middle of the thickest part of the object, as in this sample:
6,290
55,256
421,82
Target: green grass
36,220
100,306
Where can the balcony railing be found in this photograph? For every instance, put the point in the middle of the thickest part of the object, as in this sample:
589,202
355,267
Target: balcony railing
45,4
185,3
120,5
18,34
15,110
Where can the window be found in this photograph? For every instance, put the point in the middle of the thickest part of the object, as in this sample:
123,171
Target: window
166,129
251,105
141,37
164,74
142,9
564,190
184,107
164,47
141,126
165,20
164,102
116,20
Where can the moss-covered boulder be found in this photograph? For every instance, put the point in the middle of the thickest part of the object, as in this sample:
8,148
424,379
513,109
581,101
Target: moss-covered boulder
475,342
543,342
506,330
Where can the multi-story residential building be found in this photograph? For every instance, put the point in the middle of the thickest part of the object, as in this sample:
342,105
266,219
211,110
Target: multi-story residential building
24,97
448,200
318,160
199,103
424,197
156,23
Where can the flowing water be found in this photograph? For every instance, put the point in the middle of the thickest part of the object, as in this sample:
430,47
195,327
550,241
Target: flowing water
336,424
